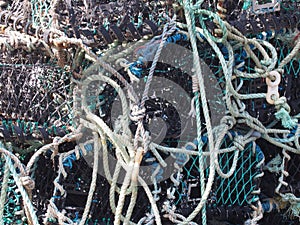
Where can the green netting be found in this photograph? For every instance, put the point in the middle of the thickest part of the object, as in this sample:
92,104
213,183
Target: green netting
239,188
13,212
41,13
52,93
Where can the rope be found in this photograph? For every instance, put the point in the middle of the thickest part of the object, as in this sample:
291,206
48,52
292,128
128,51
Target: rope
94,179
31,215
191,29
258,60
4,187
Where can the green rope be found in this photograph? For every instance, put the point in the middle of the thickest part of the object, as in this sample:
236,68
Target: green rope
286,119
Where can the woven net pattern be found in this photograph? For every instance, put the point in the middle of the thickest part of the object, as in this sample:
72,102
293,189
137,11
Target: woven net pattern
149,112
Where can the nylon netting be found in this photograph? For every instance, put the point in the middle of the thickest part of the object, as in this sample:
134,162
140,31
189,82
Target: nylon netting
12,211
35,101
149,112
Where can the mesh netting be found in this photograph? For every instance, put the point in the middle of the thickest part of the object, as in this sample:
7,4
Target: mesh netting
231,195
35,102
12,209
149,112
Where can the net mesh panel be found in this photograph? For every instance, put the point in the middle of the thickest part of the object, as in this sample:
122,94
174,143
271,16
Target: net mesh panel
77,185
78,180
238,188
40,12
13,207
45,171
99,14
36,103
35,97
290,5
232,195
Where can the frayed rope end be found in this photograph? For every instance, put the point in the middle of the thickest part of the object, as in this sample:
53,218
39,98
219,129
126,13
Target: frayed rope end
285,118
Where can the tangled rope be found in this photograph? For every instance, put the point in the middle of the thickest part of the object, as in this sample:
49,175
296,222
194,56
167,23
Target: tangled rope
89,130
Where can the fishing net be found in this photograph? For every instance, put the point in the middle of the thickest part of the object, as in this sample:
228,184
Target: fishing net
12,209
149,112
35,101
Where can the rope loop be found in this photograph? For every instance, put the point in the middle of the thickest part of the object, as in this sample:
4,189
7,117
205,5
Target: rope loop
282,103
229,121
219,22
239,142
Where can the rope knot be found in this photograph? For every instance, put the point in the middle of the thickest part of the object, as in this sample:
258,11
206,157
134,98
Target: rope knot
282,113
229,121
170,210
137,113
274,166
150,218
239,142
27,182
131,69
282,103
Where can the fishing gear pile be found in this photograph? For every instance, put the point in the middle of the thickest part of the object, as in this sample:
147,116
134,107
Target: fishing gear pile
149,112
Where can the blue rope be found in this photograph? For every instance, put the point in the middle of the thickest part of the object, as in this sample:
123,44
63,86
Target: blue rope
68,161
147,53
